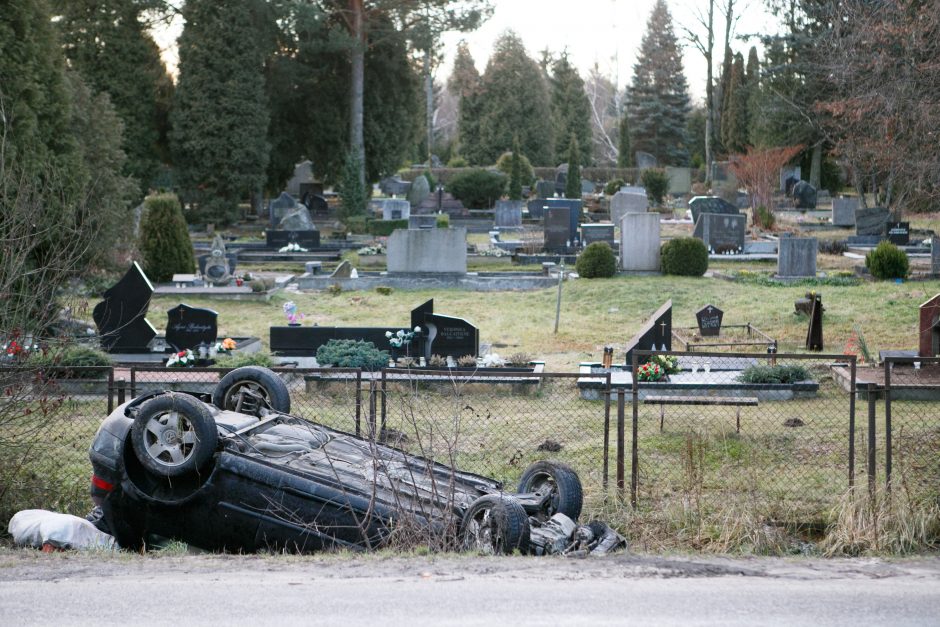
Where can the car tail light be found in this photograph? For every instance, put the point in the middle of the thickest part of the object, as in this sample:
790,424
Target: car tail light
101,484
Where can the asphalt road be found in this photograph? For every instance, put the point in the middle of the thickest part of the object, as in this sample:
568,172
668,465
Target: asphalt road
210,590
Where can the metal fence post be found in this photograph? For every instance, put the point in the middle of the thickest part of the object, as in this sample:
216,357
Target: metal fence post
888,365
634,446
384,404
121,391
606,432
872,409
110,390
359,402
852,392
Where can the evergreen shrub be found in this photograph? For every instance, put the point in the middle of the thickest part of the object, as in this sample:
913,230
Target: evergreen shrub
613,187
164,239
477,188
656,183
352,354
504,165
75,361
684,256
597,261
887,261
443,221
384,228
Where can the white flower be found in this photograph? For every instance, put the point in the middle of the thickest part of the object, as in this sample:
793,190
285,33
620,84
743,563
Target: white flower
400,333
388,334
417,329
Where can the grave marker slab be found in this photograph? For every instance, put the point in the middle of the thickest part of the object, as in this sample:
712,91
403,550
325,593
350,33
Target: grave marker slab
797,257
899,233
645,160
639,242
680,180
447,336
557,229
722,233
120,317
427,251
843,211
545,189
278,207
871,221
188,327
814,335
627,202
709,320
804,195
591,233
655,335
711,204
508,213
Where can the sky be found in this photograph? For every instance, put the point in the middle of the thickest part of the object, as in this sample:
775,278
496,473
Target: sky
605,33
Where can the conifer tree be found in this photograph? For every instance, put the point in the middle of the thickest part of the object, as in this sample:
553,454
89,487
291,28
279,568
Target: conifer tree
734,121
515,178
464,82
659,99
624,149
571,109
164,239
573,182
220,118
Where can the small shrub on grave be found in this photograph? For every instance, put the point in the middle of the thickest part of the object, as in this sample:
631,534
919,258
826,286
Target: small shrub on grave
384,228
384,290
613,187
887,261
437,361
261,284
478,188
457,162
833,246
775,374
72,362
467,361
519,360
352,354
597,261
357,225
656,183
334,290
684,256
764,218
526,173
442,221
238,360
164,239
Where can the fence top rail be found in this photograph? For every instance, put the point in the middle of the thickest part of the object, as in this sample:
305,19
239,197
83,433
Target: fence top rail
742,355
216,369
910,360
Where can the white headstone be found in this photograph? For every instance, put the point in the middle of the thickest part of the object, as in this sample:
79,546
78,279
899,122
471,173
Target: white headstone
428,251
639,242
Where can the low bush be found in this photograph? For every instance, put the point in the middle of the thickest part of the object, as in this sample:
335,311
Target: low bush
656,183
613,187
597,261
384,290
887,261
72,362
504,165
357,225
352,354
764,218
443,221
477,188
384,228
457,162
833,246
237,360
775,374
684,256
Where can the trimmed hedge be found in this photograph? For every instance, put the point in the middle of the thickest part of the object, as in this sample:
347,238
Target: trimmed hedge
164,239
684,256
887,261
597,261
478,188
385,227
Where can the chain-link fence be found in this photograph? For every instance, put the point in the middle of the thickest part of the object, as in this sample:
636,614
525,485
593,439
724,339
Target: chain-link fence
771,434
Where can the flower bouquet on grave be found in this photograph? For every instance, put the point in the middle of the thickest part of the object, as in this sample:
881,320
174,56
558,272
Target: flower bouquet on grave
650,372
668,363
224,347
293,317
182,359
400,339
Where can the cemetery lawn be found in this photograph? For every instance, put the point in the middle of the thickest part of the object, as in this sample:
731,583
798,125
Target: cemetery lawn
600,312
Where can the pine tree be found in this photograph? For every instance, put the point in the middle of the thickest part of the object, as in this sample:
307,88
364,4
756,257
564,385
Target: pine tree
515,178
106,41
624,149
571,109
505,111
220,118
573,182
659,99
734,121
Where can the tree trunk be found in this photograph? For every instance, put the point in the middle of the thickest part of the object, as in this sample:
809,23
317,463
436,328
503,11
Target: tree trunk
357,58
429,97
815,168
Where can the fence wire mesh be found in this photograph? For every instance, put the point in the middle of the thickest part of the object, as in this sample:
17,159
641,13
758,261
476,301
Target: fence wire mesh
765,434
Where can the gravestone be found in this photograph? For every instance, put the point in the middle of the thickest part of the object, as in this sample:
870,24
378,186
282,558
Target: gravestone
935,256
217,270
120,317
561,179
721,171
899,233
639,242
588,187
445,335
394,186
279,239
423,221
710,204
603,232
632,189
508,213
343,271
797,257
680,180
188,327
278,207
419,191
544,189
804,195
871,221
203,262
297,219
627,202
315,203
645,160
558,235
722,233
575,207
395,209
709,321
428,251
655,334
814,335
536,208
843,211
929,338
787,173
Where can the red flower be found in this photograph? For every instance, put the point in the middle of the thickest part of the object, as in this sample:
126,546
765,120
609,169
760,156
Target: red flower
181,354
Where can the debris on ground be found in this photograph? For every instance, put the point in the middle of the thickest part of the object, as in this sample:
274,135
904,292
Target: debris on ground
49,531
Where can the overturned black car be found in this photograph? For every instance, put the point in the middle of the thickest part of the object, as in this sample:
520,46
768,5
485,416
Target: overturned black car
237,472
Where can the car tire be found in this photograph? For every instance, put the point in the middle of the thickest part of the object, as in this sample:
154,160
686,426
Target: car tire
261,381
495,524
174,434
562,480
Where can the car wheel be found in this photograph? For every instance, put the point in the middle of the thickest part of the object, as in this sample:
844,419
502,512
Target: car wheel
561,481
173,434
496,525
250,389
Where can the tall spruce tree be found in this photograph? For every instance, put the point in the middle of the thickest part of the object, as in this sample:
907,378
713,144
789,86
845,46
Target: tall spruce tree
571,109
659,99
505,111
464,83
625,148
734,120
107,42
220,118
573,182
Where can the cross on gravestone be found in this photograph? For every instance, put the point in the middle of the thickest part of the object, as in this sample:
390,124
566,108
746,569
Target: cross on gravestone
709,321
122,326
814,335
188,327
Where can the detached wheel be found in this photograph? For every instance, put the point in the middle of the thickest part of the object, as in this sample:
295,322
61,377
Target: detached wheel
174,434
558,479
496,525
249,389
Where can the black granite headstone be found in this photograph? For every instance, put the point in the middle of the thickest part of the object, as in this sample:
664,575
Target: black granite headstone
445,335
188,327
804,195
814,335
120,317
557,230
536,207
316,203
710,204
722,233
304,239
871,221
709,320
280,206
575,208
899,233
656,334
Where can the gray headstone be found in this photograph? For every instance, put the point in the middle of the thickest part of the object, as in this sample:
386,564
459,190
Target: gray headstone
419,192
423,221
591,233
278,207
297,219
639,242
508,213
217,270
428,251
588,187
935,256
871,221
313,267
561,179
645,160
710,204
804,195
722,233
536,207
680,180
557,229
633,189
627,202
545,189
343,271
797,257
394,186
395,209
789,172
843,211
